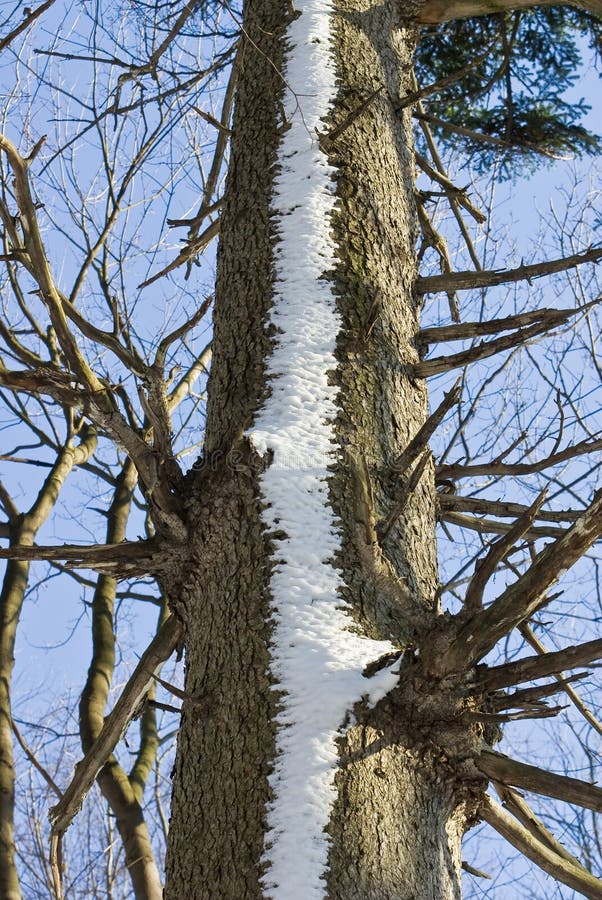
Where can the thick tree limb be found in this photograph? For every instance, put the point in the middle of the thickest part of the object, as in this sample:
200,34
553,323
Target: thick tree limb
157,652
125,558
467,281
522,598
531,778
533,667
521,810
434,12
575,877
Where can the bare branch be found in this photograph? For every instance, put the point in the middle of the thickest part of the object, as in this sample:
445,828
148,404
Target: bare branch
157,652
458,194
521,810
497,552
468,281
503,508
577,878
522,598
490,526
29,17
564,682
436,11
438,364
531,778
124,559
424,434
497,468
533,667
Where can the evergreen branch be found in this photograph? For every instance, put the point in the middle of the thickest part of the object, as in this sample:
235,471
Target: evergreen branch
483,138
576,877
446,81
468,281
522,598
531,778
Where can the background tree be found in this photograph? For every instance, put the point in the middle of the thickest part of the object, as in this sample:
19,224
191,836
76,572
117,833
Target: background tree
334,680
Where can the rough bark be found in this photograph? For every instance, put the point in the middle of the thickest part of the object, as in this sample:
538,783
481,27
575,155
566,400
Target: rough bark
400,812
220,779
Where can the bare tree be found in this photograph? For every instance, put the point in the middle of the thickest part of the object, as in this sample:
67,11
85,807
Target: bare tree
344,693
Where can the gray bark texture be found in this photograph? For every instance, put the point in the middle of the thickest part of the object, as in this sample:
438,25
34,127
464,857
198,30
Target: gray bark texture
406,790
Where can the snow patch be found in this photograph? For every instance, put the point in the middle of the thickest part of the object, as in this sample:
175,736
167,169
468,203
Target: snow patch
317,659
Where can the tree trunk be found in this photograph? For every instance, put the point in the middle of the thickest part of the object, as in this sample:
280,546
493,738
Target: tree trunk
386,821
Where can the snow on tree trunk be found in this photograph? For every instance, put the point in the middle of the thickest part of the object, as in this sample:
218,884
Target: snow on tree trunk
291,780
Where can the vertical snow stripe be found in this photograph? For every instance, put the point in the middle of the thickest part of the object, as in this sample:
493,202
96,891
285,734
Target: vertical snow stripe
316,660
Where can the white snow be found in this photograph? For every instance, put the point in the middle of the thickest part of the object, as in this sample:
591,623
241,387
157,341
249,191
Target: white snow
317,659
